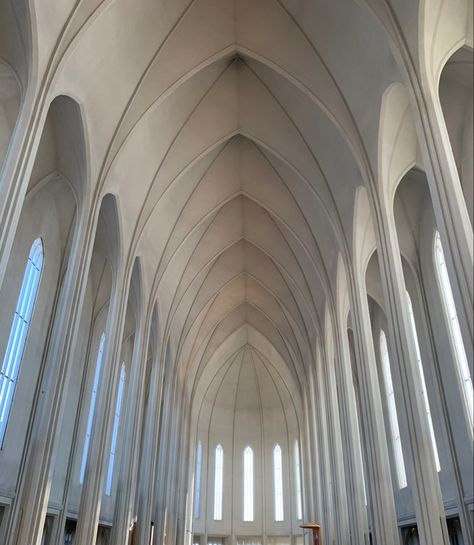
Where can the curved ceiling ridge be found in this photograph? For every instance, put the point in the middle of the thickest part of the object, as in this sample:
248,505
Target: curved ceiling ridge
234,142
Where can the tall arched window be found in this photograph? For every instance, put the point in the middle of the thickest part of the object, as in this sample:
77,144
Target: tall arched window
299,500
248,484
90,417
424,393
197,482
454,328
19,332
392,413
218,482
278,483
113,446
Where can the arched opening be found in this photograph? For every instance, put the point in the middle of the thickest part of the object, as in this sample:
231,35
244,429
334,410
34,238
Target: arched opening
49,214
441,352
83,418
390,385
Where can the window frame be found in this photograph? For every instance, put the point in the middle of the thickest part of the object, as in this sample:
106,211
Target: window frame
248,482
218,482
396,440
278,499
116,429
19,331
451,319
298,486
197,481
92,404
424,390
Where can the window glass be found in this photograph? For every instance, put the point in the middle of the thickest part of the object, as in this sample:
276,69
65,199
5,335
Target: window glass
197,485
218,482
299,501
278,482
424,393
19,332
454,328
392,412
248,485
113,446
90,417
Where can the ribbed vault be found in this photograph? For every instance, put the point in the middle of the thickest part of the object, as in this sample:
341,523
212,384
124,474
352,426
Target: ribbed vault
234,137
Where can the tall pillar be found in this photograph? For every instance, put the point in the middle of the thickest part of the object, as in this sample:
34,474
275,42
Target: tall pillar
315,434
160,499
151,449
16,171
349,420
452,218
41,445
93,486
307,460
424,478
382,505
124,498
327,482
337,462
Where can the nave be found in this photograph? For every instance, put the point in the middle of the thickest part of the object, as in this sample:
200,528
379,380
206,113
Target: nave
236,272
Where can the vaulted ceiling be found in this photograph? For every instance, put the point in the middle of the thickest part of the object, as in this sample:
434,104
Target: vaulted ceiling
234,134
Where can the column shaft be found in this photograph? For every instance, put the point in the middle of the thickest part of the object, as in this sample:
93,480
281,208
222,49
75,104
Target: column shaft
424,479
348,412
93,487
124,498
382,505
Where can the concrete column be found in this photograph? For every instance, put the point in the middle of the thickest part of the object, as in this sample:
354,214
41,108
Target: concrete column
94,481
16,170
452,218
424,478
335,441
150,448
172,467
181,475
124,498
382,505
160,498
349,421
41,446
315,449
187,465
306,461
327,477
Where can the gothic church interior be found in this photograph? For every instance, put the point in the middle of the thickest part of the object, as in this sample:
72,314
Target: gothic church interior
236,260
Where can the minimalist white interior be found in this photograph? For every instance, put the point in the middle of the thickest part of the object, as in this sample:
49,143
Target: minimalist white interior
236,272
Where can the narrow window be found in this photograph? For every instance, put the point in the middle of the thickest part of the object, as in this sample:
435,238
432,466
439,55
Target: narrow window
299,502
19,332
248,485
454,328
392,412
90,417
278,483
197,486
113,446
218,482
424,394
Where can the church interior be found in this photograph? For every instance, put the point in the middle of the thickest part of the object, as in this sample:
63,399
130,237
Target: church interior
236,272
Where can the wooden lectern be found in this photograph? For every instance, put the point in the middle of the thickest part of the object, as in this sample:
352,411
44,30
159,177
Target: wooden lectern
316,529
